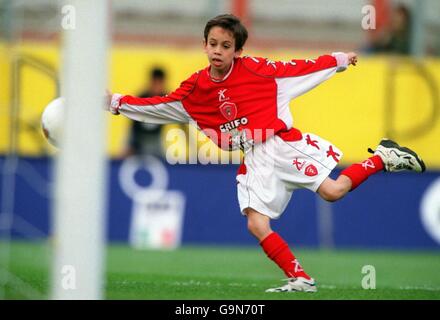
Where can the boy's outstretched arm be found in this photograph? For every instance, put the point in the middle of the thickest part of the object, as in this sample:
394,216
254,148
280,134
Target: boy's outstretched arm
314,72
297,76
158,110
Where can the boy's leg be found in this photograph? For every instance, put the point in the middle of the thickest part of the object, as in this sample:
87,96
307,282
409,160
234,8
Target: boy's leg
278,251
350,178
332,190
389,156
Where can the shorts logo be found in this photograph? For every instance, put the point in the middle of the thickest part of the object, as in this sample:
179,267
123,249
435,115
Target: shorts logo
299,165
332,153
311,170
311,142
228,110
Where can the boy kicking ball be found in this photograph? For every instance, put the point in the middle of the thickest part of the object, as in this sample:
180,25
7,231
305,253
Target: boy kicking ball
243,103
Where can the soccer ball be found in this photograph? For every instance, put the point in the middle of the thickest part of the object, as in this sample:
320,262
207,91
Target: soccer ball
52,121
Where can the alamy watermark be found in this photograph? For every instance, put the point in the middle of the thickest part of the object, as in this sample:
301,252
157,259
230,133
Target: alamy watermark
68,17
369,17
369,278
193,147
68,281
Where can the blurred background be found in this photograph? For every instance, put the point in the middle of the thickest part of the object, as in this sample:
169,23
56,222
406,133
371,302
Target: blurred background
393,92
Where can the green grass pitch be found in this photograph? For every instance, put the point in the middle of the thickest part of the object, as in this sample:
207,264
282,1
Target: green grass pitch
236,273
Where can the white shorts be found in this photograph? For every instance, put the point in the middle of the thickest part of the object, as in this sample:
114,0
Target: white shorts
272,170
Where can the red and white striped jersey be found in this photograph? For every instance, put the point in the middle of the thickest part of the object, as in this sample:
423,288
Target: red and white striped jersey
251,102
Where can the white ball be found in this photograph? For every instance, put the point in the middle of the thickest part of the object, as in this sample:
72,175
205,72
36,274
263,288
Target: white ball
52,121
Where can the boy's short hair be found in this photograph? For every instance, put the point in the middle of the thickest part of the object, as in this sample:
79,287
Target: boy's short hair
231,23
157,73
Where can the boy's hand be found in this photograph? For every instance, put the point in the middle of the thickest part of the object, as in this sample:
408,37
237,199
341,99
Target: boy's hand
112,102
344,59
352,58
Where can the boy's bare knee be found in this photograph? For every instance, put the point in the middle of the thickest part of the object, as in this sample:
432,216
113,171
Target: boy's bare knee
252,226
256,227
258,224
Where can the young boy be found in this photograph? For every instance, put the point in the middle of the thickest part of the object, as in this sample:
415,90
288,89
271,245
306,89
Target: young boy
244,103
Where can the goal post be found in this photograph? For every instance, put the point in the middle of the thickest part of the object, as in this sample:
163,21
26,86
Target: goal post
79,221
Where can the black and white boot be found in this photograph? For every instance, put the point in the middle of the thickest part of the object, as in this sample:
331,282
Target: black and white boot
397,158
296,284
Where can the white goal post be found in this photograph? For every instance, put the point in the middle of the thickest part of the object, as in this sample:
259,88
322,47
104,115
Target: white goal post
81,167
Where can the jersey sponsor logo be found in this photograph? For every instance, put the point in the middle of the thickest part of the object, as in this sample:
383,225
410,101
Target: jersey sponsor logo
228,110
225,127
311,170
221,95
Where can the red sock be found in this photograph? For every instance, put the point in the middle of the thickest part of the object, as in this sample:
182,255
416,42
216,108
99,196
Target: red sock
359,172
278,251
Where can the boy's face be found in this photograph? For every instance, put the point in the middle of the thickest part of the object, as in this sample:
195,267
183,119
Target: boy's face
220,48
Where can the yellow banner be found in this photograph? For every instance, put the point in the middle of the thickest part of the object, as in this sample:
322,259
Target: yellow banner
381,97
